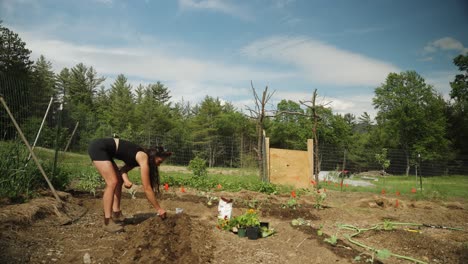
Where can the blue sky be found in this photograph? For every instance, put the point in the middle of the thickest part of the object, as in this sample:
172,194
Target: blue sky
342,48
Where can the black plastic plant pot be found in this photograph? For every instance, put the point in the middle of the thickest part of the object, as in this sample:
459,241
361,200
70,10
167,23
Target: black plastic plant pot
265,224
252,232
241,232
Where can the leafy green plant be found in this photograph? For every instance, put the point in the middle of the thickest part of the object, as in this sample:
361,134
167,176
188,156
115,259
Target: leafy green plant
266,232
198,167
90,181
249,218
332,240
388,225
319,231
268,188
291,203
227,224
19,179
319,199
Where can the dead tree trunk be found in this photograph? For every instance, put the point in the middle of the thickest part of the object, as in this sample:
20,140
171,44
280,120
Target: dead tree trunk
259,115
314,134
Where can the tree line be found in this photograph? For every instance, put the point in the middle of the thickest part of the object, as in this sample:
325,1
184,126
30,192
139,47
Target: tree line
411,115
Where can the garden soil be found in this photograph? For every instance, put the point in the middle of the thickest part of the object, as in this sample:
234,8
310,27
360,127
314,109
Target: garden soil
46,231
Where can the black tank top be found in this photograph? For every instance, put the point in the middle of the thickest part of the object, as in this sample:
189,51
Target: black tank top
127,152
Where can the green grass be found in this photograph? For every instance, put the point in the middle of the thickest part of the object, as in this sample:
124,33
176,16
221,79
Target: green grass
440,187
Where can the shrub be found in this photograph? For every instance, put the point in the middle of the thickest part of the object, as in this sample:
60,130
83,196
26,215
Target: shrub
89,181
198,167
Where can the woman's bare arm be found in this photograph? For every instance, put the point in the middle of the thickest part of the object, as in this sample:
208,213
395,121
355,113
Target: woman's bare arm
142,159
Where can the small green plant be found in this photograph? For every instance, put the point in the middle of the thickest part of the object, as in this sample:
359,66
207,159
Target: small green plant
227,224
198,167
292,203
268,188
90,181
266,232
320,197
211,199
388,225
319,231
332,240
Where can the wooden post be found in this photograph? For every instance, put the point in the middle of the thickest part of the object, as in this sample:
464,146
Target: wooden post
70,139
310,153
267,158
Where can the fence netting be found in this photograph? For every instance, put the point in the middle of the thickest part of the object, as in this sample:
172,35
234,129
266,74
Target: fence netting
29,110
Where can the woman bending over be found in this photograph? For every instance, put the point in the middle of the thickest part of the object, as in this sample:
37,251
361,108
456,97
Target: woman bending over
103,152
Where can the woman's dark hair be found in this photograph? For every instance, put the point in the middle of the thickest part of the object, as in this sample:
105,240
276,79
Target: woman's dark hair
154,171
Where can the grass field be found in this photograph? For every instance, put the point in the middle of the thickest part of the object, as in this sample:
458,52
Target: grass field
432,187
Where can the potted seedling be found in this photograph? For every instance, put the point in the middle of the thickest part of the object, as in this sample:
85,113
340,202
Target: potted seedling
252,224
240,224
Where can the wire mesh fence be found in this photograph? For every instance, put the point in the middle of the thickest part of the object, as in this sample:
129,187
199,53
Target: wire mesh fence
42,120
44,126
333,158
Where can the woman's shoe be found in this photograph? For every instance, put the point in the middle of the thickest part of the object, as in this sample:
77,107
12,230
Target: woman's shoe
112,227
118,217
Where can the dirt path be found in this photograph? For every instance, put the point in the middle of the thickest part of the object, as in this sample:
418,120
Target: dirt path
192,237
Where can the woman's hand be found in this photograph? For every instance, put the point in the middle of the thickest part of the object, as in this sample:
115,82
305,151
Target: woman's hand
162,213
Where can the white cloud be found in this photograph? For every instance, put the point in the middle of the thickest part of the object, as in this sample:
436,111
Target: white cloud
222,6
319,62
282,3
446,43
147,63
356,104
441,81
187,77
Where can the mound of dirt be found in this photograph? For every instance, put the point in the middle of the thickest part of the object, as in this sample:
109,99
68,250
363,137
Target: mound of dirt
177,239
380,202
289,213
44,208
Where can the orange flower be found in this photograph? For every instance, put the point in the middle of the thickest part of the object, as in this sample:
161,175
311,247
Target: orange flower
293,194
166,186
251,211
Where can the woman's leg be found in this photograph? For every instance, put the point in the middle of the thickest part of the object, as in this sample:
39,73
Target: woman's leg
118,190
107,171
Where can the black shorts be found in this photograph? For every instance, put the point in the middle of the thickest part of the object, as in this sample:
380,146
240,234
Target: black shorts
102,149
